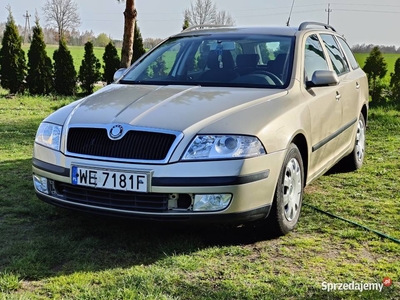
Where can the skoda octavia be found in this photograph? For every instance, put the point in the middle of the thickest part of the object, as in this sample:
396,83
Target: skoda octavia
215,124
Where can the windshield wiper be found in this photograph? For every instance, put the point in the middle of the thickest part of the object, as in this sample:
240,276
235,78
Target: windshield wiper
130,82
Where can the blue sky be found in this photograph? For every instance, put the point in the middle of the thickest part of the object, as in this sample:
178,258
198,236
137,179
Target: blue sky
368,21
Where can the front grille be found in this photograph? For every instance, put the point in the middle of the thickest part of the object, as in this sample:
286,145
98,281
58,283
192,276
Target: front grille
126,201
134,145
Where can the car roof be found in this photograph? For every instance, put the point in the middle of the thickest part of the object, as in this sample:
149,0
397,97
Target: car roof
246,30
275,30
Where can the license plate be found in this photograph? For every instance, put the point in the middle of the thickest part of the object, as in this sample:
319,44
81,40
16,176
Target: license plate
109,179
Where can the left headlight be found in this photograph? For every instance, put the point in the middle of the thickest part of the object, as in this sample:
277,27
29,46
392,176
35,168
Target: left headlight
223,147
49,135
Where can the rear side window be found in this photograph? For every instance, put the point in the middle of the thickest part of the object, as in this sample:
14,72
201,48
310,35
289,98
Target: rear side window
314,57
338,60
349,53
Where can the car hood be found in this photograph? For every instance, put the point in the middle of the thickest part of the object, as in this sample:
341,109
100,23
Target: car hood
167,107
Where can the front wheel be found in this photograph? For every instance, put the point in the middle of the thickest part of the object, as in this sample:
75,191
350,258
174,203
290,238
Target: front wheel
288,197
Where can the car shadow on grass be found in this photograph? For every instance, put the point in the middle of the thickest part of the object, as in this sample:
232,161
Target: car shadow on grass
43,240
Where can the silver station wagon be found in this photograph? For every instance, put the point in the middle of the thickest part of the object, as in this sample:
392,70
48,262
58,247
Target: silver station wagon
215,124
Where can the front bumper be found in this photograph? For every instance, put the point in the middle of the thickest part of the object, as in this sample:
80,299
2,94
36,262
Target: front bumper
251,182
252,215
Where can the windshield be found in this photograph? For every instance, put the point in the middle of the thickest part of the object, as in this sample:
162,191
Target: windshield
225,60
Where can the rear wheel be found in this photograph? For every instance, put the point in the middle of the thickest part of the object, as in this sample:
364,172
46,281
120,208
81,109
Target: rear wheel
288,197
355,159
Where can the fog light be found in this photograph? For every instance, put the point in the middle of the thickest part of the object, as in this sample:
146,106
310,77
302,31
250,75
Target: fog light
212,202
40,184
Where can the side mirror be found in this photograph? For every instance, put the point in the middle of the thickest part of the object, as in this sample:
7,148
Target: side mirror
323,78
119,73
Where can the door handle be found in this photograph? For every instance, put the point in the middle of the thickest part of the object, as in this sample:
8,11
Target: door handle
357,86
338,96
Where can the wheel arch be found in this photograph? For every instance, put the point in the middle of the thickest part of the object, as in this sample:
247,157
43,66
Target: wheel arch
301,142
364,111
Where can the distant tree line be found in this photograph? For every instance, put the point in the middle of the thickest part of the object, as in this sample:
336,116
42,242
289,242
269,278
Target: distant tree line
205,12
72,38
149,43
40,76
364,48
78,38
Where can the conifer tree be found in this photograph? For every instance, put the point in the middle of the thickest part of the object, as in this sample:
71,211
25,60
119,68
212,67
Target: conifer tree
186,24
159,67
376,69
89,72
138,48
111,62
12,58
40,67
64,70
395,83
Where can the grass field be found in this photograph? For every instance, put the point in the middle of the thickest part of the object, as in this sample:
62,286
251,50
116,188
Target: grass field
77,53
47,252
389,58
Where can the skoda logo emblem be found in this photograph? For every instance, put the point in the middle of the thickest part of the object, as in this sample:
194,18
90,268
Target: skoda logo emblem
116,132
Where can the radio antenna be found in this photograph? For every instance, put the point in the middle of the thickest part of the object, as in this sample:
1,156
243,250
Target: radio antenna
290,14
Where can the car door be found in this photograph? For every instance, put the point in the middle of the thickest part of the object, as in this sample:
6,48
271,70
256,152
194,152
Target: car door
348,93
324,108
357,83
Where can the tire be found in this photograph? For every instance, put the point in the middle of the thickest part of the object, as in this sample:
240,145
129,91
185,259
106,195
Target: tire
288,198
355,159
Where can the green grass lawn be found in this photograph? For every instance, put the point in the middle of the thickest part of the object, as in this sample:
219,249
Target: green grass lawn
47,252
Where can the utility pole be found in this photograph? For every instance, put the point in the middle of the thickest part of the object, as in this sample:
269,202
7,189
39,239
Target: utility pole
329,10
27,25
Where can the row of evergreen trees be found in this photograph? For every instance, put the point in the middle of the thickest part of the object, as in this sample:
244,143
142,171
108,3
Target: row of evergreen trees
41,77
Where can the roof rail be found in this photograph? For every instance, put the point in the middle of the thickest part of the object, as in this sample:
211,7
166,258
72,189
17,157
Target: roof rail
305,25
202,26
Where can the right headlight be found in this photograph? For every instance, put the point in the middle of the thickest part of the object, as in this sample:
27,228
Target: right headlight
49,135
205,147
